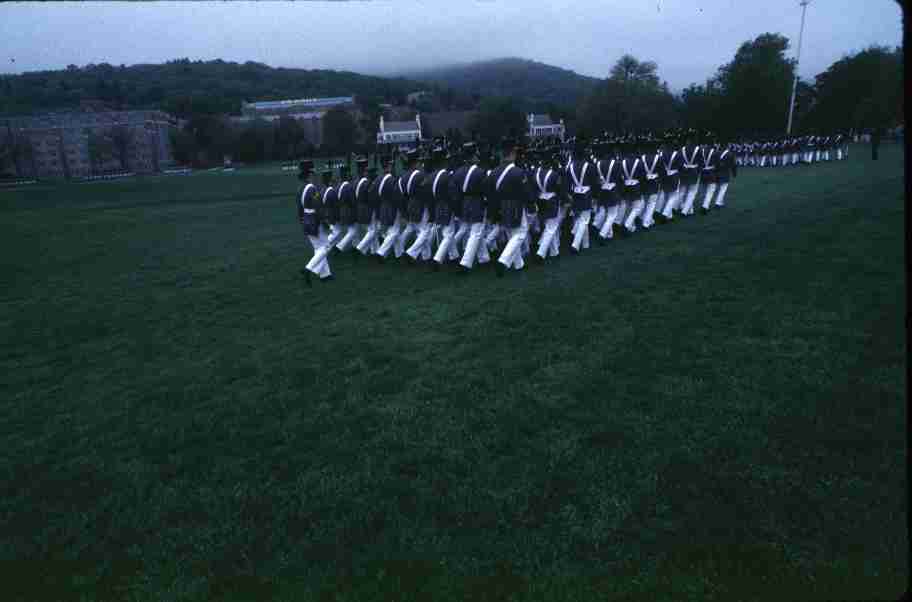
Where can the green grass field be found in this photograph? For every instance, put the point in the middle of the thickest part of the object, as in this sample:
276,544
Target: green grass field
712,410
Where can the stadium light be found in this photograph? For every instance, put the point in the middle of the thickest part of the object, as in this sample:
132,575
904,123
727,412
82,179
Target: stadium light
788,128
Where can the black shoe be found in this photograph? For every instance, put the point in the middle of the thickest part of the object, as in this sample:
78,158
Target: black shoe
500,270
307,280
435,267
328,278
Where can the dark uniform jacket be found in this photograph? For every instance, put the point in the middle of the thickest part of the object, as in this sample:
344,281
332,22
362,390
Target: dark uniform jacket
409,182
308,202
632,176
329,205
386,198
512,195
363,202
582,182
671,174
434,192
345,195
611,180
709,161
726,167
467,192
691,164
652,172
549,191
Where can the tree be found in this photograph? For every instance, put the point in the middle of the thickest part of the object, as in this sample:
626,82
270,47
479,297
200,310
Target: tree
498,117
757,85
632,98
121,138
339,129
864,91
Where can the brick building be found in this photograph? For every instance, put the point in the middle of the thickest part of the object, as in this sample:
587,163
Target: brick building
78,144
308,112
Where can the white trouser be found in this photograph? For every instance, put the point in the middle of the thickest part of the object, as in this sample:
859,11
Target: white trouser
689,192
422,244
839,154
794,158
492,237
549,243
447,242
611,218
660,204
534,228
350,236
461,232
621,215
581,230
636,208
391,236
671,202
598,220
763,161
318,264
649,211
720,194
369,243
512,253
423,247
475,249
707,198
404,236
816,155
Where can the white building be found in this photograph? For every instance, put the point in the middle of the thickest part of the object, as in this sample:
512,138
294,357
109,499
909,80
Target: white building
541,126
401,133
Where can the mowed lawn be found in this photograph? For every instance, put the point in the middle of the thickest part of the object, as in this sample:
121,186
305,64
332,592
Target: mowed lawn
714,409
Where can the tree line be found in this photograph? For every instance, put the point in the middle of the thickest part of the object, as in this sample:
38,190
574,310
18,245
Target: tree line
749,95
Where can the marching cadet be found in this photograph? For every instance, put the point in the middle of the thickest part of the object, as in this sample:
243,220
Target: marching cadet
652,168
671,180
494,231
726,168
608,195
467,184
631,189
433,184
447,212
316,209
461,163
415,215
582,180
709,154
348,208
392,208
512,192
550,204
368,210
690,175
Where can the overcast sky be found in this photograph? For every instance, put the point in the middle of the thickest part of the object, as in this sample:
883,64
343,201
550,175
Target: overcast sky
688,39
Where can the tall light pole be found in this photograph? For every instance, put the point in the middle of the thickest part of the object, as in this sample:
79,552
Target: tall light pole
788,129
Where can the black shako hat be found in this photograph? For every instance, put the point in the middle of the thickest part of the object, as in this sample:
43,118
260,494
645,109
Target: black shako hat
305,168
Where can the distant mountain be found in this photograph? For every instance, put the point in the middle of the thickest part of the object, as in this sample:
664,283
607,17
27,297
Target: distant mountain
185,87
531,81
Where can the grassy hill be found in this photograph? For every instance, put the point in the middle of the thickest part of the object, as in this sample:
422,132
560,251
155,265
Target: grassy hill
712,410
185,86
530,80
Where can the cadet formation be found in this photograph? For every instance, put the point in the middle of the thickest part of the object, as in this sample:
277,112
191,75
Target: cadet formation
464,206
